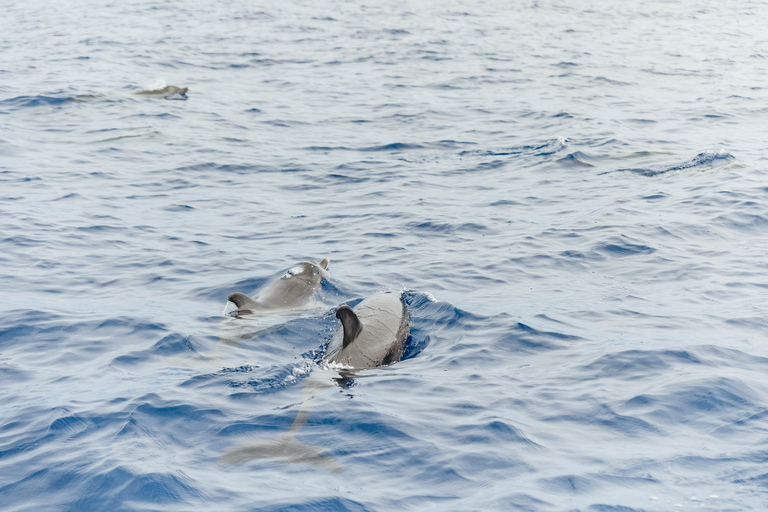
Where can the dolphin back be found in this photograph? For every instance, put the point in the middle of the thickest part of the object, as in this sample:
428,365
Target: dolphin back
372,334
168,90
292,290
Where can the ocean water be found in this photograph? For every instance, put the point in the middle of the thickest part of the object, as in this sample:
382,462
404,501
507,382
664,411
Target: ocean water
572,195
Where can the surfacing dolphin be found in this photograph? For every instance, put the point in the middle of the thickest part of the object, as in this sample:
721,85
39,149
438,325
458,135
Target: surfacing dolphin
277,300
165,92
276,303
294,289
372,334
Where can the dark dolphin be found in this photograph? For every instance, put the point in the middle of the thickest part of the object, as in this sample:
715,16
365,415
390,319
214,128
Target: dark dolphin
370,335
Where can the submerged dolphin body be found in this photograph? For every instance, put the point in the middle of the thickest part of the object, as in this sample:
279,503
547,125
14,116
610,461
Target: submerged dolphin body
292,290
287,447
372,334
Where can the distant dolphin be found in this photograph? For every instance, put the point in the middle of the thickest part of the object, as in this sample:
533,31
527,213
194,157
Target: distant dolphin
372,334
292,290
165,92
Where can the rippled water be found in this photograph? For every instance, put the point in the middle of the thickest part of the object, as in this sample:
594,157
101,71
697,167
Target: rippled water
574,196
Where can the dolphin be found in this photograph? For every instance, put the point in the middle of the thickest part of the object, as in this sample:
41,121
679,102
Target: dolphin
292,290
370,335
165,92
275,305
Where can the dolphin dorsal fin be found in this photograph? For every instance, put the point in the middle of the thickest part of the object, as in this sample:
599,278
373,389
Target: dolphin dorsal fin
352,325
325,263
242,301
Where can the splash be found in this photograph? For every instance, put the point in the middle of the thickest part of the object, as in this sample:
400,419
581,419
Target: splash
157,86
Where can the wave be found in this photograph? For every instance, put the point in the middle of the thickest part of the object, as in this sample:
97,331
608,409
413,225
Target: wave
396,146
546,148
577,159
702,161
34,101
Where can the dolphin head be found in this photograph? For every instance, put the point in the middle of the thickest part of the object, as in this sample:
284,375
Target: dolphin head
308,270
312,268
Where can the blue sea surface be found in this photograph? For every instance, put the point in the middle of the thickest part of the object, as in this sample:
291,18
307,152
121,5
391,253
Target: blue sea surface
573,197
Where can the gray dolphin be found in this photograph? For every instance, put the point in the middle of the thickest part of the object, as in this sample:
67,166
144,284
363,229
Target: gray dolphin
292,290
165,92
370,335
275,304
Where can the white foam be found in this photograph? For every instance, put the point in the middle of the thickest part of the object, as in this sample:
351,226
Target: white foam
230,309
292,272
159,84
337,366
